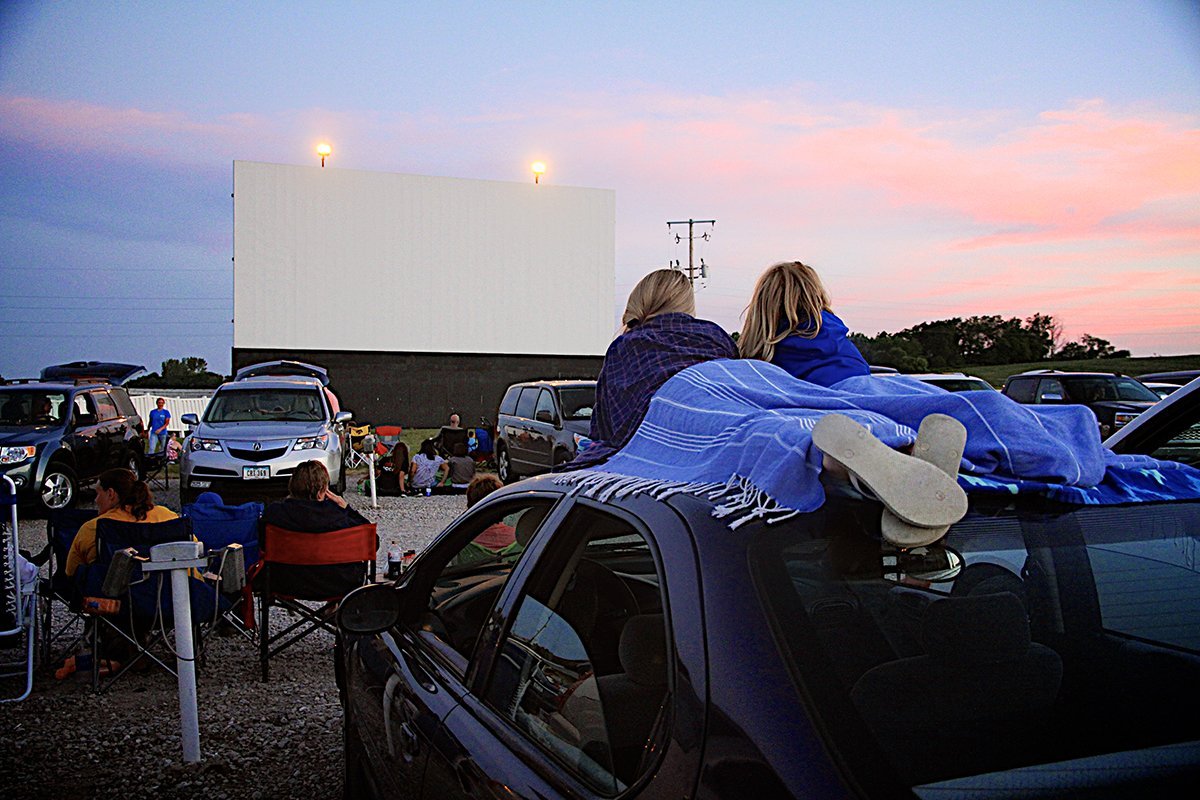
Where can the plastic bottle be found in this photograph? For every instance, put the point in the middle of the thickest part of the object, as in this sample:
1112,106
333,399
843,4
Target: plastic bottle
394,564
428,491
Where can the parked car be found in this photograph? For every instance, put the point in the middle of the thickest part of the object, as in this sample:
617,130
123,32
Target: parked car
258,428
1161,389
1179,377
637,647
540,425
953,381
60,432
1170,430
1115,399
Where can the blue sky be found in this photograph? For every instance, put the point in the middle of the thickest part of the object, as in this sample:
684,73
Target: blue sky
931,159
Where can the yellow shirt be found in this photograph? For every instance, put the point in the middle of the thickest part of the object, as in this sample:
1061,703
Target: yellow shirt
83,548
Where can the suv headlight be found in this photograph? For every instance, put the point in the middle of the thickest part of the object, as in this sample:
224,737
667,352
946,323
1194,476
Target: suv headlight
312,442
1122,418
15,455
212,445
581,442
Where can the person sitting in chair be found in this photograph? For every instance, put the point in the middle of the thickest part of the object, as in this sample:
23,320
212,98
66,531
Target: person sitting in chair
120,496
311,507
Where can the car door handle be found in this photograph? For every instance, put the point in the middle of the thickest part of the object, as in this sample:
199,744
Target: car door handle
408,741
420,674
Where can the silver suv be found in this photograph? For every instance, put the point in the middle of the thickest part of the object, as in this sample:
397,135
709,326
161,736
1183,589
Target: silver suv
258,428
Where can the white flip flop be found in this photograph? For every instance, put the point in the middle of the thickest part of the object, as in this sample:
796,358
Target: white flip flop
916,491
940,441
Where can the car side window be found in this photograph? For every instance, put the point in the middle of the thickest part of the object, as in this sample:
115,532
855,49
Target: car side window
106,409
1021,389
84,412
527,401
509,404
545,403
467,586
582,672
1050,390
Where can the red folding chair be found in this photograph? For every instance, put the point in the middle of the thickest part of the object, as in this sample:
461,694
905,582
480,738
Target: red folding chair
299,568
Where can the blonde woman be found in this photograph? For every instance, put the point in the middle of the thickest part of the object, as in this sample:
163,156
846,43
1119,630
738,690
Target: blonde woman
660,336
789,322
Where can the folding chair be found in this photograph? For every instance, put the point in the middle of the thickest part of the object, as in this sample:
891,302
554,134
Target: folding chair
285,577
388,436
59,589
358,455
154,470
144,602
218,526
18,605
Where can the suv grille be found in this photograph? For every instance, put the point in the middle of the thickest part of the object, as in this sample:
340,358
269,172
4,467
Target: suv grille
257,455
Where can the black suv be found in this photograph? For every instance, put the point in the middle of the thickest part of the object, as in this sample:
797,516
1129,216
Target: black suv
542,424
63,430
1115,399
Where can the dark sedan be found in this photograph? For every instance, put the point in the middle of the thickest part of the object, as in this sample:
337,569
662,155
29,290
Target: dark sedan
639,647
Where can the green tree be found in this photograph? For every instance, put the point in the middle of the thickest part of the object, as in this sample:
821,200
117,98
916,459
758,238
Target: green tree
181,373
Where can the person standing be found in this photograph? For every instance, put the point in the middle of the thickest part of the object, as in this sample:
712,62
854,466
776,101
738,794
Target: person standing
159,418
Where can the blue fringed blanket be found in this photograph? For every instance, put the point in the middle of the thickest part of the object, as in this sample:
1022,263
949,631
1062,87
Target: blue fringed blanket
740,432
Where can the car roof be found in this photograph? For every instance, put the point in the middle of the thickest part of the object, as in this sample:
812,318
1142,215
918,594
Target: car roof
1050,373
271,382
558,383
36,385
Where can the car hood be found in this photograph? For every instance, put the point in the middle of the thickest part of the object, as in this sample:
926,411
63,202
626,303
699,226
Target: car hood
1124,405
25,434
259,431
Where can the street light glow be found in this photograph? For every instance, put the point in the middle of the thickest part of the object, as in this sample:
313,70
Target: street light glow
539,169
323,150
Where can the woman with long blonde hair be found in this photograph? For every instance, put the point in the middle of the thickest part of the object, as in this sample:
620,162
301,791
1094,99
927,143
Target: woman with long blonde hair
790,323
659,336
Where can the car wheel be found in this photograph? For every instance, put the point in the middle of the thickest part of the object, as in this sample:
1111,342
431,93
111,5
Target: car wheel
561,457
503,466
134,465
59,488
354,783
340,487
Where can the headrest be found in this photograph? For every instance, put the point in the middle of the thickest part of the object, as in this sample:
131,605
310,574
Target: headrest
643,650
209,499
978,629
528,523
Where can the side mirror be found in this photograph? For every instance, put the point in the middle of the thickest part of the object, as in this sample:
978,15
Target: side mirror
934,563
342,416
370,609
190,419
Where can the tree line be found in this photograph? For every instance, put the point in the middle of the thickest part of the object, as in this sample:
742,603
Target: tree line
948,344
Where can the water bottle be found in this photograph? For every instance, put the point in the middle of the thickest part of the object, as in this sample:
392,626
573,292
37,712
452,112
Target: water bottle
394,565
428,491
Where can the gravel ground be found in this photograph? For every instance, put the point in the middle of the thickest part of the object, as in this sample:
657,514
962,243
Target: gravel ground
281,739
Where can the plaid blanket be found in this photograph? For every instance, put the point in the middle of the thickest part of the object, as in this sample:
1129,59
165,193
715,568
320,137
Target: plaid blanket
740,432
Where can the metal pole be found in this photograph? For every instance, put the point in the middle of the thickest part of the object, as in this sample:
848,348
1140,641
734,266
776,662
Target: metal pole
185,666
371,471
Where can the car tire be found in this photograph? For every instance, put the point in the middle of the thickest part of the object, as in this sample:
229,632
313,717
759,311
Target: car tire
561,457
134,464
59,488
504,466
339,488
354,782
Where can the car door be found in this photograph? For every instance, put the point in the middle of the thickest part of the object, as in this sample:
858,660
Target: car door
110,431
520,433
401,684
87,443
542,427
584,692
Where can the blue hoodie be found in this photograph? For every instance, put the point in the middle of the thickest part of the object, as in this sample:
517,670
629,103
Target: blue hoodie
824,359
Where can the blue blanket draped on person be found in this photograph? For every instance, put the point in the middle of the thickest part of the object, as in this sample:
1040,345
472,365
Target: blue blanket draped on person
740,432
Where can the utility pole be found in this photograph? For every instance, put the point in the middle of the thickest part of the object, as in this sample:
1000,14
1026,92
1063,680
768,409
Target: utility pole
691,267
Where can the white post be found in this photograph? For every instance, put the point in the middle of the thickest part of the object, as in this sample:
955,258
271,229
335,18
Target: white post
178,558
368,445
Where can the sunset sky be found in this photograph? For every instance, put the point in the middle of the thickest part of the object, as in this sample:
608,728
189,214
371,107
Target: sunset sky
931,159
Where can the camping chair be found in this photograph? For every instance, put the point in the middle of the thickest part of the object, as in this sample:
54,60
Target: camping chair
144,603
18,605
59,589
154,470
448,438
387,437
218,526
285,577
358,455
485,449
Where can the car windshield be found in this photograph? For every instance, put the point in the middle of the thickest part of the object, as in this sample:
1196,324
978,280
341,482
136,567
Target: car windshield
266,405
24,408
960,384
1063,636
1090,390
577,402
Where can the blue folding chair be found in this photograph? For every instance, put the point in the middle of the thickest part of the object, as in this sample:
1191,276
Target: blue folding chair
218,526
60,589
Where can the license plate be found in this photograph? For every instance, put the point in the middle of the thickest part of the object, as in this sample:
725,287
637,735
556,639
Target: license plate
256,473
